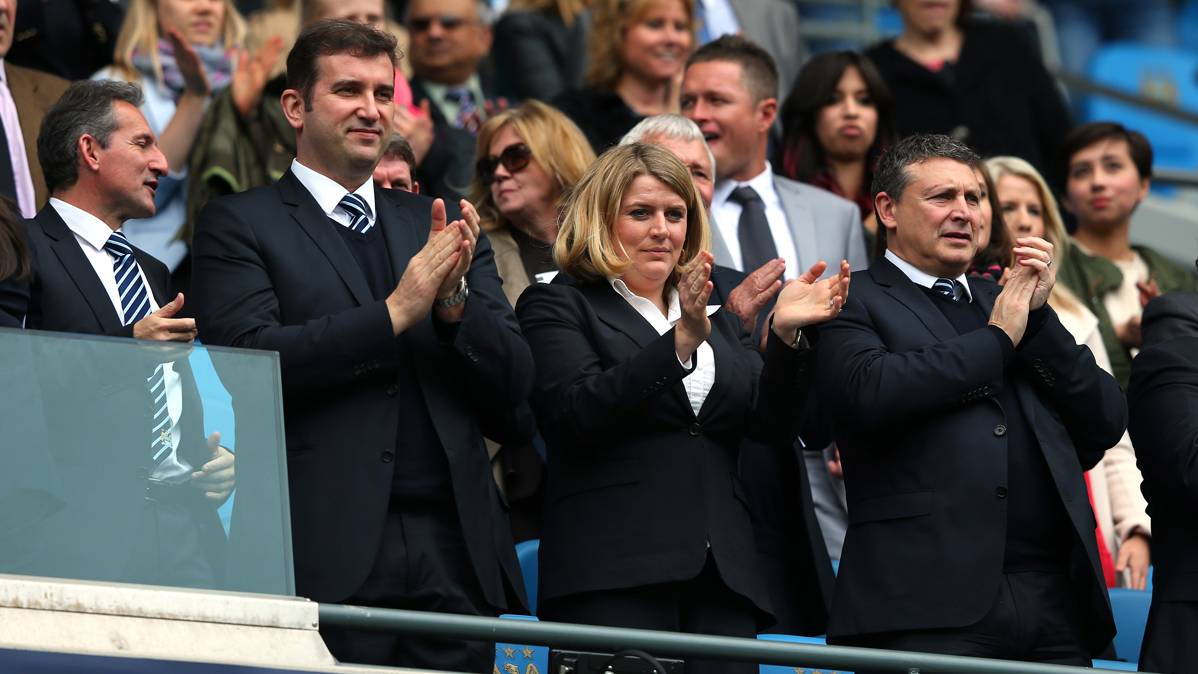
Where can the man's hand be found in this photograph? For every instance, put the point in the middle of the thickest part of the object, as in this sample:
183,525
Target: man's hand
417,129
161,325
469,225
1134,557
427,270
1149,290
835,467
1035,253
252,73
807,300
217,477
694,289
1013,303
190,66
752,294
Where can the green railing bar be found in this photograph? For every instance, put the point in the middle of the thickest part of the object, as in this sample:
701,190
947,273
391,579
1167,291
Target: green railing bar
1160,107
669,644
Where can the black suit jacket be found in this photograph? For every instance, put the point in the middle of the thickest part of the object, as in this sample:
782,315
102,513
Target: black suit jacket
923,442
272,273
65,295
638,484
537,55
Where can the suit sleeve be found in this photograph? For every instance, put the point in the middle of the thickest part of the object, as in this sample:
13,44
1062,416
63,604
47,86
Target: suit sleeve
863,383
487,341
1089,400
785,378
575,398
237,306
1164,422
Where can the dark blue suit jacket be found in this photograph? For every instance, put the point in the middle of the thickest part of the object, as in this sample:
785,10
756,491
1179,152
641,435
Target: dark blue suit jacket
270,272
917,419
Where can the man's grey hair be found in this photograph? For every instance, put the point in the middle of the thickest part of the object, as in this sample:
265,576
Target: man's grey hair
671,126
891,175
87,108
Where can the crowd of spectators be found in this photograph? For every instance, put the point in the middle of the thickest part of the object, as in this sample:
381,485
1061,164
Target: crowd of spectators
582,186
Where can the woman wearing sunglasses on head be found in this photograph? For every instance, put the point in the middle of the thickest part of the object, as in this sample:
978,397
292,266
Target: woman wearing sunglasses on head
527,157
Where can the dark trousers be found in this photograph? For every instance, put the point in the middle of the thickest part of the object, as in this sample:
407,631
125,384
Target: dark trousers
422,565
1035,618
1171,638
702,605
167,549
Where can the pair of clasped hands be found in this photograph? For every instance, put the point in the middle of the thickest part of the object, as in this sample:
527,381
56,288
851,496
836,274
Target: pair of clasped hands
802,302
1026,286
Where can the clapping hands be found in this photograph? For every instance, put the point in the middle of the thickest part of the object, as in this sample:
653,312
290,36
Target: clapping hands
807,300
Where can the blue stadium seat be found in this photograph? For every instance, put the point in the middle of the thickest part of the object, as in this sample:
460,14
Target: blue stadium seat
1131,615
779,669
1161,73
518,658
1187,25
526,553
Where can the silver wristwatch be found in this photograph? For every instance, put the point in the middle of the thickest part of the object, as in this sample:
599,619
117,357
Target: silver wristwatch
458,297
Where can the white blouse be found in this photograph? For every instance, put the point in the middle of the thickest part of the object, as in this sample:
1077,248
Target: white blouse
699,382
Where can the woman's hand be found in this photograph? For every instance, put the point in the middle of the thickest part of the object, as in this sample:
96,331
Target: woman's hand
190,67
694,289
807,301
1135,557
252,73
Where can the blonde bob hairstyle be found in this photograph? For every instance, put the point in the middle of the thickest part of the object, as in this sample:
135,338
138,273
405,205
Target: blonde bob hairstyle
556,143
587,247
1054,226
610,20
140,30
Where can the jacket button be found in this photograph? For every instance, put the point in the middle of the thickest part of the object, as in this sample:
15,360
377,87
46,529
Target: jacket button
388,456
1000,492
1000,430
695,429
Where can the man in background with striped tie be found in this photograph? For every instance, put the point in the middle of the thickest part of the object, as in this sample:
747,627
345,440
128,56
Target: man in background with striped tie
965,417
141,478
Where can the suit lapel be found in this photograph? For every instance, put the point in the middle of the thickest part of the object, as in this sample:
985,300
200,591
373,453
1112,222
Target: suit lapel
617,313
81,272
983,294
724,352
719,249
802,226
401,232
316,225
909,295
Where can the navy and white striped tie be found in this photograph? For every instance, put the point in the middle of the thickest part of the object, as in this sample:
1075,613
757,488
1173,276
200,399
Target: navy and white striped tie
359,212
135,305
948,288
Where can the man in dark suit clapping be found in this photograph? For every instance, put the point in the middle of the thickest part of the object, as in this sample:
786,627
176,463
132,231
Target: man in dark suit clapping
398,349
965,418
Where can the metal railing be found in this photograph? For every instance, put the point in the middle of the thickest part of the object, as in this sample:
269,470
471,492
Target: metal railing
670,644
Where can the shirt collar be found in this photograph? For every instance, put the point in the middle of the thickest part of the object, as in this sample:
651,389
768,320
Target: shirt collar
436,90
328,192
922,278
762,184
83,224
673,308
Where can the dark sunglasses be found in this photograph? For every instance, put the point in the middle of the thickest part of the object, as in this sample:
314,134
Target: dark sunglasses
514,158
420,24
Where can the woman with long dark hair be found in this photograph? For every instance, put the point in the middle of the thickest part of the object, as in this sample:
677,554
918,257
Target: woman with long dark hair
835,122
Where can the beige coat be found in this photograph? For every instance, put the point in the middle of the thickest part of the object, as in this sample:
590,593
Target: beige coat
1119,505
33,94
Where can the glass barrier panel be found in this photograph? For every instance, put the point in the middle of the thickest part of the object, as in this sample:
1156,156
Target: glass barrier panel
140,462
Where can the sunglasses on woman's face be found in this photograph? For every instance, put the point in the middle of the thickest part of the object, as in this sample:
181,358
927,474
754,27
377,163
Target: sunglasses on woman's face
514,158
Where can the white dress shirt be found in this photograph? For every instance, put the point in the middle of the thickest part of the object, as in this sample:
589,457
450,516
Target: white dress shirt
699,382
726,214
922,278
328,193
91,234
16,147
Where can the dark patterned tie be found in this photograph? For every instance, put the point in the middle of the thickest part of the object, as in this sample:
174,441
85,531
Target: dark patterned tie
135,305
358,212
753,230
949,288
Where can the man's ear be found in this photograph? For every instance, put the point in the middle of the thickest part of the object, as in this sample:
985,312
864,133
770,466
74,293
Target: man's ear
767,112
415,187
89,151
885,207
293,108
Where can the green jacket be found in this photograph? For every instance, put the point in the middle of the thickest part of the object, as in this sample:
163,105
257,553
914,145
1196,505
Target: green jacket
232,154
1091,277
